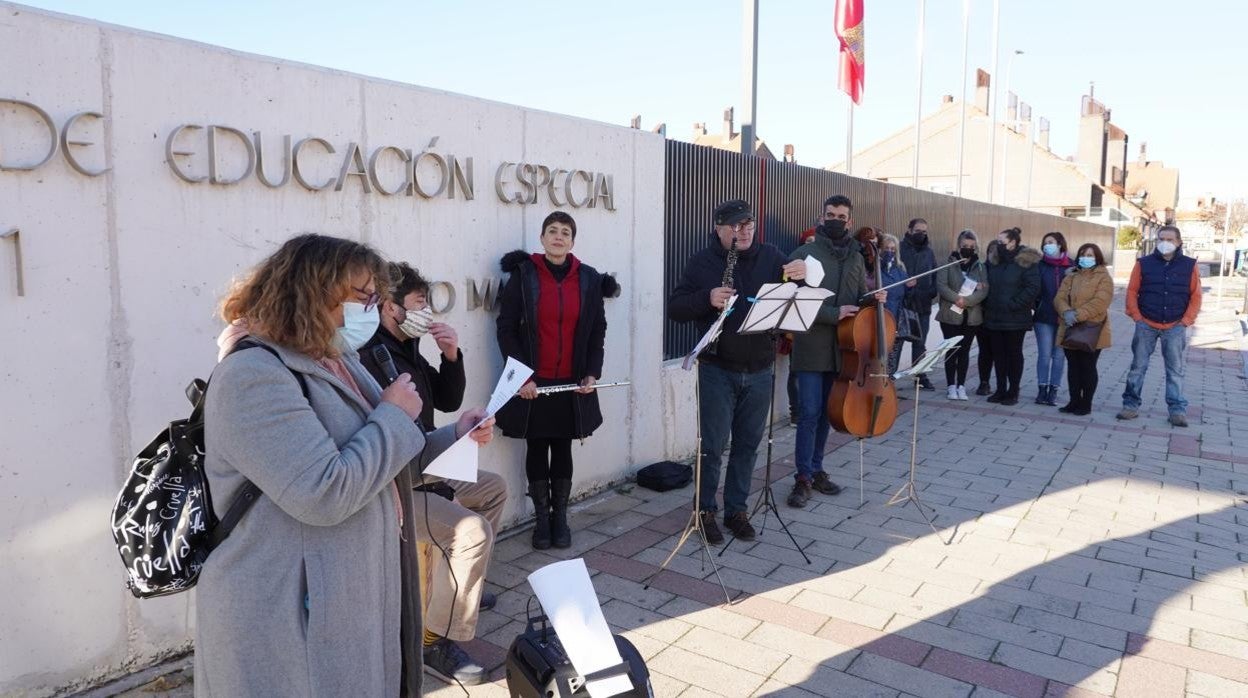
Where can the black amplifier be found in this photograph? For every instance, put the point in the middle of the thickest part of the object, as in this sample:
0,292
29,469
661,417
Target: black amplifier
538,667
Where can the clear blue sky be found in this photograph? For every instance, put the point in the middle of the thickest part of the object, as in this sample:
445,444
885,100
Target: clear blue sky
1171,72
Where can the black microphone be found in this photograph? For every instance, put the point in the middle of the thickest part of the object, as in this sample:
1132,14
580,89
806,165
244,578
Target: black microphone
382,356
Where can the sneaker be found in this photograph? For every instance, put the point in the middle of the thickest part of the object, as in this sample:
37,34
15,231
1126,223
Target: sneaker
824,485
1128,413
1178,420
447,661
953,393
983,389
488,601
713,535
925,384
800,494
962,393
739,525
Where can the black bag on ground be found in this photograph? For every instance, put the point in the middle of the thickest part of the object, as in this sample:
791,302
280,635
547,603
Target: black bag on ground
665,475
163,522
538,667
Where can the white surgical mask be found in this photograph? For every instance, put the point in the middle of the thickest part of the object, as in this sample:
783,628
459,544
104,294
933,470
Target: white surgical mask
358,324
416,324
1052,249
1166,247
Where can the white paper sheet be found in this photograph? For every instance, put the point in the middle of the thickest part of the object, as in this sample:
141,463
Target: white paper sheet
568,598
459,462
710,335
929,359
814,271
968,287
768,309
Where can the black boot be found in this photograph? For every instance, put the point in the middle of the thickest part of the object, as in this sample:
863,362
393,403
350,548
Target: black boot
1050,398
539,492
560,534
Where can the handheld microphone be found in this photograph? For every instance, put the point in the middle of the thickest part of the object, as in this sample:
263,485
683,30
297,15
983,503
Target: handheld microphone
382,356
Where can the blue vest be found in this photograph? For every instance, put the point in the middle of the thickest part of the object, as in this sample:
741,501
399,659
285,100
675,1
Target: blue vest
1165,287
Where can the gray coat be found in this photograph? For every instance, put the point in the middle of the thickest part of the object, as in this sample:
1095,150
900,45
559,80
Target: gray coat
949,283
306,597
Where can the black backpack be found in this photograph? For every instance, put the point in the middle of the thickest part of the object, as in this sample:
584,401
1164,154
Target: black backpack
664,475
163,521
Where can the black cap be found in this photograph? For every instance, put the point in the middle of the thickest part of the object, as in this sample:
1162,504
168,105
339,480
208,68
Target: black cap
733,212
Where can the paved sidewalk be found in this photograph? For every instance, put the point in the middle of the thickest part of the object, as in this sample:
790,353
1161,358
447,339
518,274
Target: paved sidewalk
1088,557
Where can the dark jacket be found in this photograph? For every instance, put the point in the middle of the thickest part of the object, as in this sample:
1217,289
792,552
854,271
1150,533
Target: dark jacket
1165,287
1013,285
918,259
1052,271
691,302
845,275
517,338
441,388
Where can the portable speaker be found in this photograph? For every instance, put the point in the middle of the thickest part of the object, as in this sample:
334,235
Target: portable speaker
538,667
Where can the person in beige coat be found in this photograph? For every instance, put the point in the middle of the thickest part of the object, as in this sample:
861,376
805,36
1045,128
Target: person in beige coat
1084,296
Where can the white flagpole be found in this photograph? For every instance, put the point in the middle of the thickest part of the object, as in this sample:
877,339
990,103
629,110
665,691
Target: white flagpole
918,117
992,144
966,41
849,141
749,75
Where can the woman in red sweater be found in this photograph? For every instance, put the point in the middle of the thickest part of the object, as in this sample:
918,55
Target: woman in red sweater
552,319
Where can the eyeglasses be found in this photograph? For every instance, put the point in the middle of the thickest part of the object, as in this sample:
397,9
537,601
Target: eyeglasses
372,300
744,225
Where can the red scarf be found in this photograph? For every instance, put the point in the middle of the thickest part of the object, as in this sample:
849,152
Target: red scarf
558,307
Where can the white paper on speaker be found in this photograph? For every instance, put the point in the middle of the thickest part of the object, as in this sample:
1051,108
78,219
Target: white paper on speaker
569,601
814,271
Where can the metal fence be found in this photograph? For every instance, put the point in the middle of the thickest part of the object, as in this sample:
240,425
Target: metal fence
788,198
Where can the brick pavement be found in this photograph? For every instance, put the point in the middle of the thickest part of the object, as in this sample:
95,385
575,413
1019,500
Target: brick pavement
1088,557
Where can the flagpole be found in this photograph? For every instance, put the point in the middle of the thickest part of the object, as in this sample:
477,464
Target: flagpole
749,70
966,41
992,144
918,117
849,141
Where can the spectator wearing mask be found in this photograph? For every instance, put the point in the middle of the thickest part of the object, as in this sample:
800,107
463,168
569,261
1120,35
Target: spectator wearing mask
1013,286
893,271
1050,359
917,257
961,314
1084,296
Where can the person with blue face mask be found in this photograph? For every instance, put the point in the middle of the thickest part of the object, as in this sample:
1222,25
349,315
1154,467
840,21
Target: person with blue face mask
1050,360
1084,296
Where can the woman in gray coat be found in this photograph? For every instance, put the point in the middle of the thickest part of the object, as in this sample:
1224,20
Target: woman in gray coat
312,593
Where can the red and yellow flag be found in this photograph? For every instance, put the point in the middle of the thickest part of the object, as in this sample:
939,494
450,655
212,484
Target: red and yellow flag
853,60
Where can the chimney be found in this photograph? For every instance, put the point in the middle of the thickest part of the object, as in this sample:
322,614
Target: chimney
946,99
1143,152
789,153
1043,138
728,132
636,122
983,89
699,129
1011,111
1024,118
661,129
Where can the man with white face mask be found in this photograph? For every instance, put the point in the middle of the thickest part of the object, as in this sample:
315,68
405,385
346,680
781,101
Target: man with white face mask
462,518
1163,297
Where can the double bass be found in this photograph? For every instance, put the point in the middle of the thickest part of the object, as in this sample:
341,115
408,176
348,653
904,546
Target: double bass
863,400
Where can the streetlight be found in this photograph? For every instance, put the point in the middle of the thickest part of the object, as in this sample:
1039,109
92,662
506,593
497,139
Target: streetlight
1005,147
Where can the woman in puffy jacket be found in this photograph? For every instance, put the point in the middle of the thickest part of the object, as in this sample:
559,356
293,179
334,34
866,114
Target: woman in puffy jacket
1013,286
1050,361
1084,296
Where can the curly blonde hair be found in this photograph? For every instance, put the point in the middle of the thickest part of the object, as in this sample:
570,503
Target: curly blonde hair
289,297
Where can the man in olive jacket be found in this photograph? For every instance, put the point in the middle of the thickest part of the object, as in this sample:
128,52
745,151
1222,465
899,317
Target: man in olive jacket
816,357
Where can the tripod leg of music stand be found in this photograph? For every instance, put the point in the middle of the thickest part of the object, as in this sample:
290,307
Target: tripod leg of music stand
860,469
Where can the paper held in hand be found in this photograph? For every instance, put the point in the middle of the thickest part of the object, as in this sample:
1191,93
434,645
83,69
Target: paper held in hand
786,307
710,336
968,287
459,462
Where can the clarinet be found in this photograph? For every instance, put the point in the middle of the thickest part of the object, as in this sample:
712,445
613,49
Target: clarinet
726,281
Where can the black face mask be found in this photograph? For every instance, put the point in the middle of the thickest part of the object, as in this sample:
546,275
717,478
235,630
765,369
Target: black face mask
966,253
835,229
919,239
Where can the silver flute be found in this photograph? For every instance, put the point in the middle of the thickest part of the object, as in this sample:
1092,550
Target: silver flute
573,386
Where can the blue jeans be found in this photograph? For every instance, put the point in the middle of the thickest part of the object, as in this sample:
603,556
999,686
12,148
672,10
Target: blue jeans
731,404
812,421
1173,344
1050,359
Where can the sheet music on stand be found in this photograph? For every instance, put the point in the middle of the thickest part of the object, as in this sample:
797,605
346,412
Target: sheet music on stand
711,335
785,307
929,360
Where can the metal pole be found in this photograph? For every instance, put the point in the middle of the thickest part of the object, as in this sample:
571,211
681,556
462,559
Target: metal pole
966,41
1005,147
1031,157
749,74
849,141
918,106
992,143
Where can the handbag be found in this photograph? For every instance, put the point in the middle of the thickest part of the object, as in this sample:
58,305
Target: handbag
909,327
1082,336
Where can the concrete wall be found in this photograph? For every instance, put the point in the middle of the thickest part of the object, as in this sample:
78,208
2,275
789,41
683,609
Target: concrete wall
123,271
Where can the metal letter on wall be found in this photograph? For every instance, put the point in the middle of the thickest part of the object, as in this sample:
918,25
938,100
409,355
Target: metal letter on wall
445,287
286,162
404,157
353,166
294,158
47,120
15,235
65,143
213,177
170,153
487,296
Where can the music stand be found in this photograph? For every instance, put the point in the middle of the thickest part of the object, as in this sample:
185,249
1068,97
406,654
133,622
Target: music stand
907,493
695,518
777,308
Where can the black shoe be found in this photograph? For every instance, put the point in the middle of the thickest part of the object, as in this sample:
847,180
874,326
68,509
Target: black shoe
824,485
447,660
488,601
983,389
713,535
926,384
739,525
995,397
1069,407
1042,395
1082,410
539,492
800,494
1010,400
560,534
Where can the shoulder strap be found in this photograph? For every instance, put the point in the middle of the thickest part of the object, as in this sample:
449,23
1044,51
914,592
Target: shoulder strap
249,492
